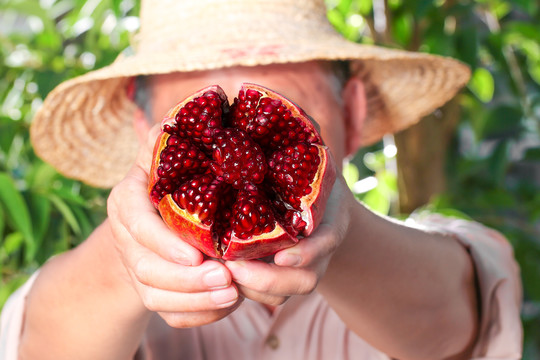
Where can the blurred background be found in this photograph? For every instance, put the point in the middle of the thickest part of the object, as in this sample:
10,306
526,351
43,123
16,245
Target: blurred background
476,157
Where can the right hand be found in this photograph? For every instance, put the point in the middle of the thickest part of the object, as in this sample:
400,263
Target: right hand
170,276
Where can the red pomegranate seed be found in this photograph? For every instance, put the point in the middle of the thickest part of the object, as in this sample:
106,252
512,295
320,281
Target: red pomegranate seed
198,119
292,173
251,213
238,158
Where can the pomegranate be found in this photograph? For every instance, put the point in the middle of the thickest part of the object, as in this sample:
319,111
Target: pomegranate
240,181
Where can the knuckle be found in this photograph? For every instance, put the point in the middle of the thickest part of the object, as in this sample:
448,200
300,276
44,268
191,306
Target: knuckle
333,237
132,186
141,269
277,300
336,237
187,319
175,320
135,227
182,320
149,300
309,283
266,285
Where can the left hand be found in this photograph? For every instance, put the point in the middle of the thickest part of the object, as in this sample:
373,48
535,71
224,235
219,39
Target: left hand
298,269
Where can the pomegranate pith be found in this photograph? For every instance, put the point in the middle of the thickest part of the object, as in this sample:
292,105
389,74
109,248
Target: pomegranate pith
240,182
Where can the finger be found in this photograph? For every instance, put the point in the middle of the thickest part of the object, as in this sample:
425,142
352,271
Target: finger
192,319
327,236
263,298
159,300
129,205
308,251
151,270
272,279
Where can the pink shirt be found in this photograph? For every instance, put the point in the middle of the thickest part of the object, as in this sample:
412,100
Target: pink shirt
305,327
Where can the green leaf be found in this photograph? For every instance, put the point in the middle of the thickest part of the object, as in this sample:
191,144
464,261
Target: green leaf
498,162
351,174
13,242
501,9
402,29
40,210
420,7
66,213
530,6
504,121
375,161
84,221
16,208
68,195
380,198
534,70
30,7
377,201
387,183
115,5
365,7
344,6
525,30
466,44
2,221
482,84
532,154
8,129
47,79
41,176
337,20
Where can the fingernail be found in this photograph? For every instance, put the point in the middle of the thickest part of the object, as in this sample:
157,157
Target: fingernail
290,260
225,297
215,279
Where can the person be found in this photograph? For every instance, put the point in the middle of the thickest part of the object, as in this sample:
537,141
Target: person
362,286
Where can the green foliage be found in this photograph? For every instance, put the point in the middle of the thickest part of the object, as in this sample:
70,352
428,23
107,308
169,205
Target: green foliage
494,168
43,43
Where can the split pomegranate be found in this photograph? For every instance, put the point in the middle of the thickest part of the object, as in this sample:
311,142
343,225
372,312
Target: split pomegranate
240,181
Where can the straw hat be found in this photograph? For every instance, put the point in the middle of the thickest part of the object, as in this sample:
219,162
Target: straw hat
85,129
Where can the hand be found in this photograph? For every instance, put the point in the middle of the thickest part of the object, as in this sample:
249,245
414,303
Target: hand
170,276
297,270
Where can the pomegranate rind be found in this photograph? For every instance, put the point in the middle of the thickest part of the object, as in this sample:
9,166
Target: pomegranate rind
188,227
161,143
314,204
259,246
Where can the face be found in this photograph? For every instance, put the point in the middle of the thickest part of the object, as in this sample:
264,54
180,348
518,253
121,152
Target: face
311,85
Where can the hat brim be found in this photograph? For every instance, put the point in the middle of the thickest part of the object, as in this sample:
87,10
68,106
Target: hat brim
84,128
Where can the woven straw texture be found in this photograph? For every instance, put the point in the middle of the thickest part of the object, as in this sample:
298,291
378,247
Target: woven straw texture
84,127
